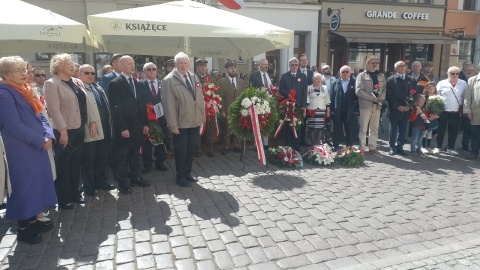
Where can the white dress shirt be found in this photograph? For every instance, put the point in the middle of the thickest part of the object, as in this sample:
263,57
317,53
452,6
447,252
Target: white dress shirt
445,89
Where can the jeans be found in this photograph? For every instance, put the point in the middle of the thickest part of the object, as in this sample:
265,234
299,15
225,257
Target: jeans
417,136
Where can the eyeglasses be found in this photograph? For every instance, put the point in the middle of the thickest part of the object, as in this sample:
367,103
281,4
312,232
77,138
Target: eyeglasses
345,71
401,65
151,69
293,65
39,75
373,63
21,70
454,73
89,73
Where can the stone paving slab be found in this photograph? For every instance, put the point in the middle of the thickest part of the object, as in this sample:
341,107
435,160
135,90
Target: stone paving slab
393,213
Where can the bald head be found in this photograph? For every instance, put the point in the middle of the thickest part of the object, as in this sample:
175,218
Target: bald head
86,74
128,65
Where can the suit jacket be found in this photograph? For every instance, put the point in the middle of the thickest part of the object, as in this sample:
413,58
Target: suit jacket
149,96
91,101
337,98
128,112
183,109
299,84
471,100
106,79
364,89
309,76
256,79
229,93
397,92
418,87
63,105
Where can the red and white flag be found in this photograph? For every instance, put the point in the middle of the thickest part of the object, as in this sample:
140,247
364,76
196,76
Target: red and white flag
233,4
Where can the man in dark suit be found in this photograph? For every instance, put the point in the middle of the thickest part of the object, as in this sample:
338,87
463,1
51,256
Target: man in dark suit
261,78
117,69
153,94
303,68
297,81
344,107
130,124
398,89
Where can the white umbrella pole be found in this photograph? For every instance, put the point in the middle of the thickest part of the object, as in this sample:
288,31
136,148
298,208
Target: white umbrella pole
187,45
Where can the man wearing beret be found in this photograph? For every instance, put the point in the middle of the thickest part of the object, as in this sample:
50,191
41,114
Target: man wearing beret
230,87
169,67
202,74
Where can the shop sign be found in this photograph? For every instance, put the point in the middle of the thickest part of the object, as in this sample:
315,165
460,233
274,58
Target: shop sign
335,22
394,15
458,34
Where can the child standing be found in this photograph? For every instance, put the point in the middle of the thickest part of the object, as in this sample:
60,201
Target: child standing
430,90
418,119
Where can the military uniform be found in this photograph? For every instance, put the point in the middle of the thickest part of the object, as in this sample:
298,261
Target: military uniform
210,132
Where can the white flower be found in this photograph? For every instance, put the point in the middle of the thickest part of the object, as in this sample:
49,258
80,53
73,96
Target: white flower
267,110
210,85
220,98
294,118
246,103
219,106
208,93
299,122
288,119
281,121
244,112
265,102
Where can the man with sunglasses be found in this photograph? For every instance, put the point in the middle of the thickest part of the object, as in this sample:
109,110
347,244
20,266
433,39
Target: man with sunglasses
96,148
39,77
153,94
294,80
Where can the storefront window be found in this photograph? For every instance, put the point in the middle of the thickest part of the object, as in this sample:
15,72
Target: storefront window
460,52
359,52
469,4
417,52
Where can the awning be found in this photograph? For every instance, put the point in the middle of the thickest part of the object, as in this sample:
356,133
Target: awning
382,37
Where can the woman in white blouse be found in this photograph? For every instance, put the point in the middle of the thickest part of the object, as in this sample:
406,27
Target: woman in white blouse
453,90
318,108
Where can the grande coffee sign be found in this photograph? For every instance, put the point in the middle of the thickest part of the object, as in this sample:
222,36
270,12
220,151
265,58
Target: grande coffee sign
373,14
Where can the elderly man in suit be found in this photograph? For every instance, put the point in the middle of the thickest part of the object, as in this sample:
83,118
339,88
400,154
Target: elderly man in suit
96,149
471,108
153,94
117,70
130,124
294,80
230,87
260,79
344,107
184,108
370,103
398,89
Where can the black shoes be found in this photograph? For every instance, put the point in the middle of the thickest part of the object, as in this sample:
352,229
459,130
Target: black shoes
139,182
67,206
161,167
80,200
401,152
182,182
29,235
90,193
392,151
42,226
105,186
125,189
146,170
190,178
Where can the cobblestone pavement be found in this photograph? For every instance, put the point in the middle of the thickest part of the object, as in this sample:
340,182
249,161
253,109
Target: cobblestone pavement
394,213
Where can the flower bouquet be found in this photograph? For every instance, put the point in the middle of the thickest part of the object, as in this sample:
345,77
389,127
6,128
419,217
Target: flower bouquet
212,104
240,113
411,99
289,114
155,134
320,154
376,90
284,156
435,104
350,157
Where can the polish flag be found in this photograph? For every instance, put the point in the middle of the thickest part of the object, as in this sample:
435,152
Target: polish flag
233,4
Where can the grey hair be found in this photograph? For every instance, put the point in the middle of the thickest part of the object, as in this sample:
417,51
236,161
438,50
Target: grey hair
454,69
345,67
398,64
181,55
293,59
416,62
8,64
145,66
316,74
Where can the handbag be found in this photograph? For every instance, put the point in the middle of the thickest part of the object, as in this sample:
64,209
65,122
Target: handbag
460,107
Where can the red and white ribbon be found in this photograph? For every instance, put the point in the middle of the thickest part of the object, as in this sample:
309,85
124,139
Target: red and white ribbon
217,111
257,135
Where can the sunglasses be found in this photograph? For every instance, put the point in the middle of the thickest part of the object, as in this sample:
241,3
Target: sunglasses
453,73
345,71
89,73
151,69
373,63
293,65
39,75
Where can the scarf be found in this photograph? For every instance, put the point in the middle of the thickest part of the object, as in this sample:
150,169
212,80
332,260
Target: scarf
26,91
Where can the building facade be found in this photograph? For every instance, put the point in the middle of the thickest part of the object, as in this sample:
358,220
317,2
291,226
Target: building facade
392,30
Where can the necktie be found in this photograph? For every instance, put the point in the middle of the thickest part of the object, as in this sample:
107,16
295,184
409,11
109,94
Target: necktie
293,77
265,81
132,87
304,71
403,77
97,95
189,85
154,93
233,83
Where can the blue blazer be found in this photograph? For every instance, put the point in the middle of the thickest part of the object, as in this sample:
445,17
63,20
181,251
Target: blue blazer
337,97
106,80
299,84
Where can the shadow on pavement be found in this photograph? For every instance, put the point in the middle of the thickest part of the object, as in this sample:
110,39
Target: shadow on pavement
278,181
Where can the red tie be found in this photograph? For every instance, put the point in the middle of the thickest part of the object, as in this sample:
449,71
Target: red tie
154,93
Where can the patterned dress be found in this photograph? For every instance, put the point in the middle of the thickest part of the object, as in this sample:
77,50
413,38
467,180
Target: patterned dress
318,100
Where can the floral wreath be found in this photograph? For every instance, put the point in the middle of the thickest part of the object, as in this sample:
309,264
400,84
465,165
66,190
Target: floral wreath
212,104
239,114
351,157
289,113
320,154
284,156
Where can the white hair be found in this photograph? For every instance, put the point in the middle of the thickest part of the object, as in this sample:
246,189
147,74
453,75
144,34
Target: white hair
181,55
145,66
